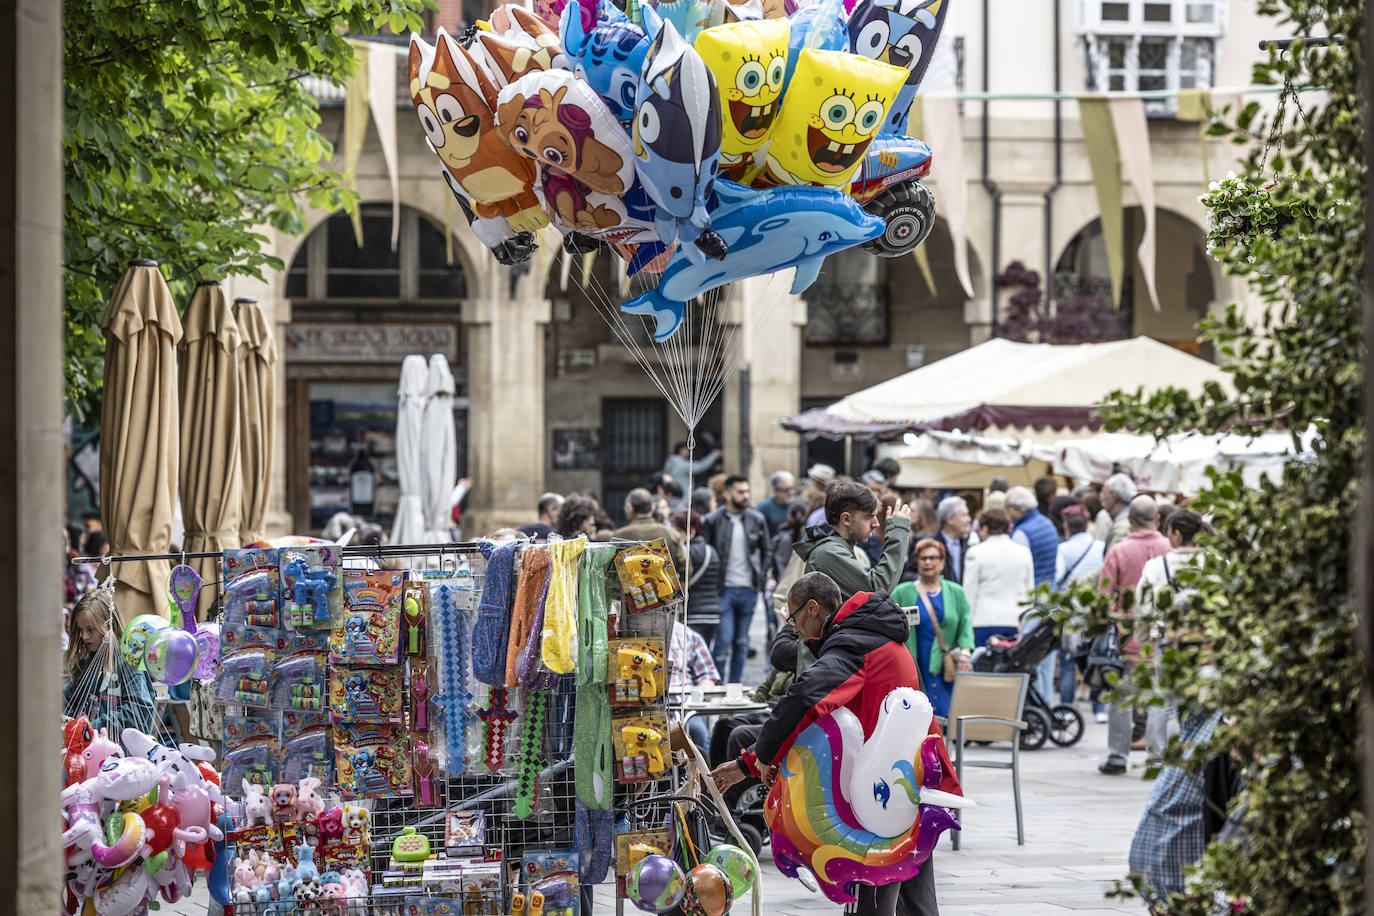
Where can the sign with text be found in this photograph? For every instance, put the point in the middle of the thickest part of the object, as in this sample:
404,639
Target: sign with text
368,343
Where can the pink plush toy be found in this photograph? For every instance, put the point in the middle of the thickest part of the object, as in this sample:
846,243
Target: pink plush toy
283,802
330,825
309,804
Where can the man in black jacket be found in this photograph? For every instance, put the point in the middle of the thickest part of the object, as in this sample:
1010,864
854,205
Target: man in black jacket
740,535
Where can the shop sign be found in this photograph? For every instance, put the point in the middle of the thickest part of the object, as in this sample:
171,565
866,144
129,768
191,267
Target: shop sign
368,343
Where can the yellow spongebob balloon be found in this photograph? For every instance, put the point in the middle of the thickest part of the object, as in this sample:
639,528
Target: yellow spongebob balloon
749,60
834,105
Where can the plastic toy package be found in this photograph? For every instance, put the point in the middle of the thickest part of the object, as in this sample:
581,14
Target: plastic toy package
637,671
553,873
372,761
365,694
239,727
647,577
253,759
300,681
641,746
370,634
310,586
634,845
308,753
415,619
251,588
247,656
465,831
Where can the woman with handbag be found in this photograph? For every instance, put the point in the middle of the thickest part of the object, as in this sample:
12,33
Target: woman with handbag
941,636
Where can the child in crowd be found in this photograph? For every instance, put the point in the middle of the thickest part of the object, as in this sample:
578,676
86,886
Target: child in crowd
98,683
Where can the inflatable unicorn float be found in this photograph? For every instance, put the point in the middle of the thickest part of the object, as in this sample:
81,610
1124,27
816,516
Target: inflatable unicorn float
850,811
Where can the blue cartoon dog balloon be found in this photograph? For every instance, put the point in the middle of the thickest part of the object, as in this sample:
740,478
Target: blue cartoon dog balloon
902,33
677,142
609,56
766,231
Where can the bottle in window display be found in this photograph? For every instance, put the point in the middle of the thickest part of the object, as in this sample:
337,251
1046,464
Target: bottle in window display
362,482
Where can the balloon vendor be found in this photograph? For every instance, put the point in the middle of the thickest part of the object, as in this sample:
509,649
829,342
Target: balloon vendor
830,749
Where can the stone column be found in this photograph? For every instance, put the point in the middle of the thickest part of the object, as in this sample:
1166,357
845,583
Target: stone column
31,466
504,327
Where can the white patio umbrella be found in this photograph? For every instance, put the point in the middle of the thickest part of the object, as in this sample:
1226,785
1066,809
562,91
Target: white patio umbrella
409,526
440,450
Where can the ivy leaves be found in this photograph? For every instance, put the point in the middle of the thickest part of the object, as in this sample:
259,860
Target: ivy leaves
189,134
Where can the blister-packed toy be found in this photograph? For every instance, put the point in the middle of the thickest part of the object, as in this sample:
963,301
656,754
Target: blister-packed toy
310,586
254,760
370,634
372,761
647,577
239,727
307,754
638,670
300,681
641,746
365,694
553,873
247,655
252,587
415,619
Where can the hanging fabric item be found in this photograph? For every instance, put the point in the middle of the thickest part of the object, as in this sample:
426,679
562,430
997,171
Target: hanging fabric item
529,599
1099,139
530,763
497,719
490,631
1133,146
592,750
594,839
559,646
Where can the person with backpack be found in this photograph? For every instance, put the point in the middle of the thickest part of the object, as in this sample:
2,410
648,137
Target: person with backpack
1160,573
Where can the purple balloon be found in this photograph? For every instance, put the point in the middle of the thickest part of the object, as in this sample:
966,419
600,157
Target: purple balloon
172,656
656,884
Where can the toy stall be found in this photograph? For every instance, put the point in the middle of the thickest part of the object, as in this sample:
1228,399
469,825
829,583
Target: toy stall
486,735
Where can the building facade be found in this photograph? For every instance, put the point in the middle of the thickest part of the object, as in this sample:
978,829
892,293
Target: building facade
552,396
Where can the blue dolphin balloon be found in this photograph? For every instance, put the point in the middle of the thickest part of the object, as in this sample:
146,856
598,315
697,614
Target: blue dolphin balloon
766,231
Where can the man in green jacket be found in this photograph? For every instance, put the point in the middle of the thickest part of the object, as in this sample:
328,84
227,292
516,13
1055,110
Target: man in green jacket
852,513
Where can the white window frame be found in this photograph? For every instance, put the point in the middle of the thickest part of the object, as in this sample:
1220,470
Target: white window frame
1099,34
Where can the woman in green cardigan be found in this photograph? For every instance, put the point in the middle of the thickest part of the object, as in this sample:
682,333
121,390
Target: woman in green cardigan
947,601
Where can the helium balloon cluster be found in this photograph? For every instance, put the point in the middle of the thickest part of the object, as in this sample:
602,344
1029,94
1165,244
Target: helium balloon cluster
703,141
140,826
657,884
173,651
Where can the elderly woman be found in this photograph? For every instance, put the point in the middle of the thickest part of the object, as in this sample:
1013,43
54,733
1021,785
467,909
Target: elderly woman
998,577
936,600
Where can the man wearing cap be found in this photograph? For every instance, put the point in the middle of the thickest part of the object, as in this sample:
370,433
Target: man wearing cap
819,477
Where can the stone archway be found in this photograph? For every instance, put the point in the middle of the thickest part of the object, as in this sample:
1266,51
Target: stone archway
1184,277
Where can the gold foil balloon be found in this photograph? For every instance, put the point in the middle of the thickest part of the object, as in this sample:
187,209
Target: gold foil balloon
708,892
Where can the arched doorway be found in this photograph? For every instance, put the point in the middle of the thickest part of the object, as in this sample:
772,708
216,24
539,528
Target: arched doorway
357,311
1183,280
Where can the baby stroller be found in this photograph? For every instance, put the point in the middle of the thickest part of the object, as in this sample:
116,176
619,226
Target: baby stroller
1061,723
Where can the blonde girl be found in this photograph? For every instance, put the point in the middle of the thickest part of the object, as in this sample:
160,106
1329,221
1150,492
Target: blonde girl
98,683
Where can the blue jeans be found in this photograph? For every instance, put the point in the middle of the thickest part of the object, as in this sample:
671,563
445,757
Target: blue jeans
1044,678
1068,678
732,636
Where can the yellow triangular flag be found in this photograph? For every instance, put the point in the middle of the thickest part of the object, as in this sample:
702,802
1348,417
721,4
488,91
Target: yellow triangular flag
356,119
1099,139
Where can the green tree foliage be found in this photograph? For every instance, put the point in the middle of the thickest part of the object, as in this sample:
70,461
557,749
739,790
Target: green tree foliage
1272,610
187,128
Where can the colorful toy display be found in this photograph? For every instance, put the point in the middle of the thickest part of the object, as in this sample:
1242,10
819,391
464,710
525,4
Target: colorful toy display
861,812
656,884
647,577
615,127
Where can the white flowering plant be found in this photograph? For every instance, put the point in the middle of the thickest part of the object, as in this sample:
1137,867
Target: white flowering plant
1242,214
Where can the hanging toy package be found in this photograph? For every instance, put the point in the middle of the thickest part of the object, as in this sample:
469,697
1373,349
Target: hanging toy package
247,656
311,597
647,577
251,587
371,631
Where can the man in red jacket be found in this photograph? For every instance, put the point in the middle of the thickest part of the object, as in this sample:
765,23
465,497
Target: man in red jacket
861,657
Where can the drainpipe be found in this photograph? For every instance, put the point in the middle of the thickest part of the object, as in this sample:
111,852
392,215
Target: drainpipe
1058,167
988,183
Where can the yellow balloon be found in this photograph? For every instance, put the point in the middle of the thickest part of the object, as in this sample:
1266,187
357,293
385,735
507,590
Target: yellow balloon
834,106
749,61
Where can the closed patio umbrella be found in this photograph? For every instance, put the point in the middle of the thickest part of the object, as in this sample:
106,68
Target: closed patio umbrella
257,409
409,525
139,432
440,450
211,473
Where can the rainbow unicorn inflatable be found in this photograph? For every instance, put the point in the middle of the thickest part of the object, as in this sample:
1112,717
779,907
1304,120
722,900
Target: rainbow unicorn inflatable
852,811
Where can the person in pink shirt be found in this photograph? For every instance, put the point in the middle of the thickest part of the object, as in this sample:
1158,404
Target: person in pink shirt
1120,572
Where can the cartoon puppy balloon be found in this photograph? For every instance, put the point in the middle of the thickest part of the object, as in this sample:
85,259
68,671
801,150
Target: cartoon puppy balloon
834,106
456,104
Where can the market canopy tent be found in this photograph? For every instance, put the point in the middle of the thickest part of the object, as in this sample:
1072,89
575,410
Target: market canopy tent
1006,388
